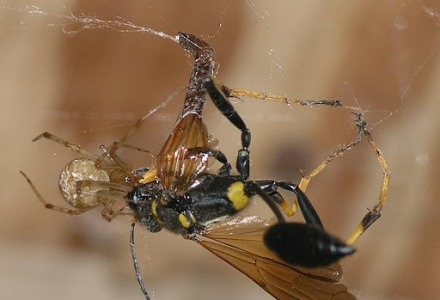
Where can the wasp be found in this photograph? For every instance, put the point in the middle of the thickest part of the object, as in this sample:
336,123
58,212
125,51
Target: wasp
289,260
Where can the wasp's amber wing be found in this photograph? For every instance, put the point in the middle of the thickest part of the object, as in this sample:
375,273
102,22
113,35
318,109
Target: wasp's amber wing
174,169
241,245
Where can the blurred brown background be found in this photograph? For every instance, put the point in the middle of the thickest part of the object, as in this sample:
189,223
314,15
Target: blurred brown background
89,86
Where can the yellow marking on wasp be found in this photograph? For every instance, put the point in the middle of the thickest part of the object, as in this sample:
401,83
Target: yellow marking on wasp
237,196
187,220
184,221
148,176
154,208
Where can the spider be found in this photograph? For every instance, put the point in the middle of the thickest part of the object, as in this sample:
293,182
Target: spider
289,260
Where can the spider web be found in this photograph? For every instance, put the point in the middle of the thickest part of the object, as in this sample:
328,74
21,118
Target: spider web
107,65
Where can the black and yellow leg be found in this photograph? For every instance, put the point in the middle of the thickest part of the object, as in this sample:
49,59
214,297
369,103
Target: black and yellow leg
375,213
271,188
310,215
305,180
237,93
253,188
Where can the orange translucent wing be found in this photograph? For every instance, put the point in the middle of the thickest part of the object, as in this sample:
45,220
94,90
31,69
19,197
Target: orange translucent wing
241,245
174,170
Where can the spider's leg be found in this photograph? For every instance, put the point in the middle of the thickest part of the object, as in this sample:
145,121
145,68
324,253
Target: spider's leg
107,194
70,211
74,147
217,95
